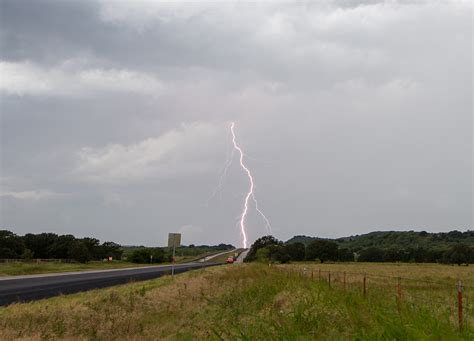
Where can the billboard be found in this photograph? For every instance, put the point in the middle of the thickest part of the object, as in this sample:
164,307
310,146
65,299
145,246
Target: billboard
174,239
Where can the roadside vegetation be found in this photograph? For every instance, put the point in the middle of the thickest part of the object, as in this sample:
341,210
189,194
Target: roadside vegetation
250,301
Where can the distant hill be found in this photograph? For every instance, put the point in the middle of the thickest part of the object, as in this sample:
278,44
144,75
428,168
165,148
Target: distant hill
303,239
397,240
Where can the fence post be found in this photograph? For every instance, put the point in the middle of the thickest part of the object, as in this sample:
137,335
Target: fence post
329,278
319,275
344,281
460,317
365,284
312,274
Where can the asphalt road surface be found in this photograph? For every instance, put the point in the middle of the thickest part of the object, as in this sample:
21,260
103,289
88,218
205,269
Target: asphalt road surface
34,287
207,258
242,256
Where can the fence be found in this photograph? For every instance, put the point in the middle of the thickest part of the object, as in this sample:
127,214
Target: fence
448,296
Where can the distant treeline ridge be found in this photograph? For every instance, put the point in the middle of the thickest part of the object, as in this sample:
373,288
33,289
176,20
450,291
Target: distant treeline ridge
54,246
453,247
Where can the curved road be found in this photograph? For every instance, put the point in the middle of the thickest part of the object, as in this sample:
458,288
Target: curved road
33,287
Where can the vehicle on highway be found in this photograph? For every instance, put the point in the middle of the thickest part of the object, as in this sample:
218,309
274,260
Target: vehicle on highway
230,260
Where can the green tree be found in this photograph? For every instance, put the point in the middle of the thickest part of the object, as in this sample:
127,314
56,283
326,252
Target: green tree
11,245
93,246
460,254
79,251
27,254
259,244
371,254
149,255
40,244
60,247
392,255
262,255
140,256
111,249
278,254
296,251
323,250
345,255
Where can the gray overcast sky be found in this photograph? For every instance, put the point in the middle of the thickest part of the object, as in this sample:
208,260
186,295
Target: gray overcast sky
355,116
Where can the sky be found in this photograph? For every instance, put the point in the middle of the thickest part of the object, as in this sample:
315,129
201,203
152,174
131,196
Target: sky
354,116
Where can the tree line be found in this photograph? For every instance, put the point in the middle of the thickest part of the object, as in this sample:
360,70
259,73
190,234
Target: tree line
53,246
142,254
270,249
438,241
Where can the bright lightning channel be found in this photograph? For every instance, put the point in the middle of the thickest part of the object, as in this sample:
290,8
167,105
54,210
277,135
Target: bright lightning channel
250,193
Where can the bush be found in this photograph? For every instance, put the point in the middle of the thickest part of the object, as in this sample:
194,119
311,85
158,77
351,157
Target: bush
149,255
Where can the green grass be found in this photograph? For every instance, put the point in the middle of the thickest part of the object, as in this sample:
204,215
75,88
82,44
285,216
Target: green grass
32,268
15,269
247,302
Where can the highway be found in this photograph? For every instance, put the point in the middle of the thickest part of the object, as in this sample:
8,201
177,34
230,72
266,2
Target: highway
242,256
33,287
207,258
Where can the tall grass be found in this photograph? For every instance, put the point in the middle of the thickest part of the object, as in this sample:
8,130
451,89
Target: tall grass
245,302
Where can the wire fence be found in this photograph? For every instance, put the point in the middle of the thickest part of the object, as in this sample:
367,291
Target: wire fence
453,299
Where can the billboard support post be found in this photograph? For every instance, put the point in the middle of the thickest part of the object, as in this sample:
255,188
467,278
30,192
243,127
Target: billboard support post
172,261
174,240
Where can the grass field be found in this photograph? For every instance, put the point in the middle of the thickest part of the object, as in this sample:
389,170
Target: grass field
15,269
251,301
31,268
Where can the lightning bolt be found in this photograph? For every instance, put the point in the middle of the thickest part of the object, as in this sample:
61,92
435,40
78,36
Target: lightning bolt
250,193
265,219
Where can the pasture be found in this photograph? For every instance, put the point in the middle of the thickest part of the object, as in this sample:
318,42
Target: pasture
257,301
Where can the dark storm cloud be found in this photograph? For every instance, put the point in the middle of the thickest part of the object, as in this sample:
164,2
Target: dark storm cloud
355,115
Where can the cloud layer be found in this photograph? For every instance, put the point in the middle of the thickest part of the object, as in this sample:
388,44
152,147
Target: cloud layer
355,116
